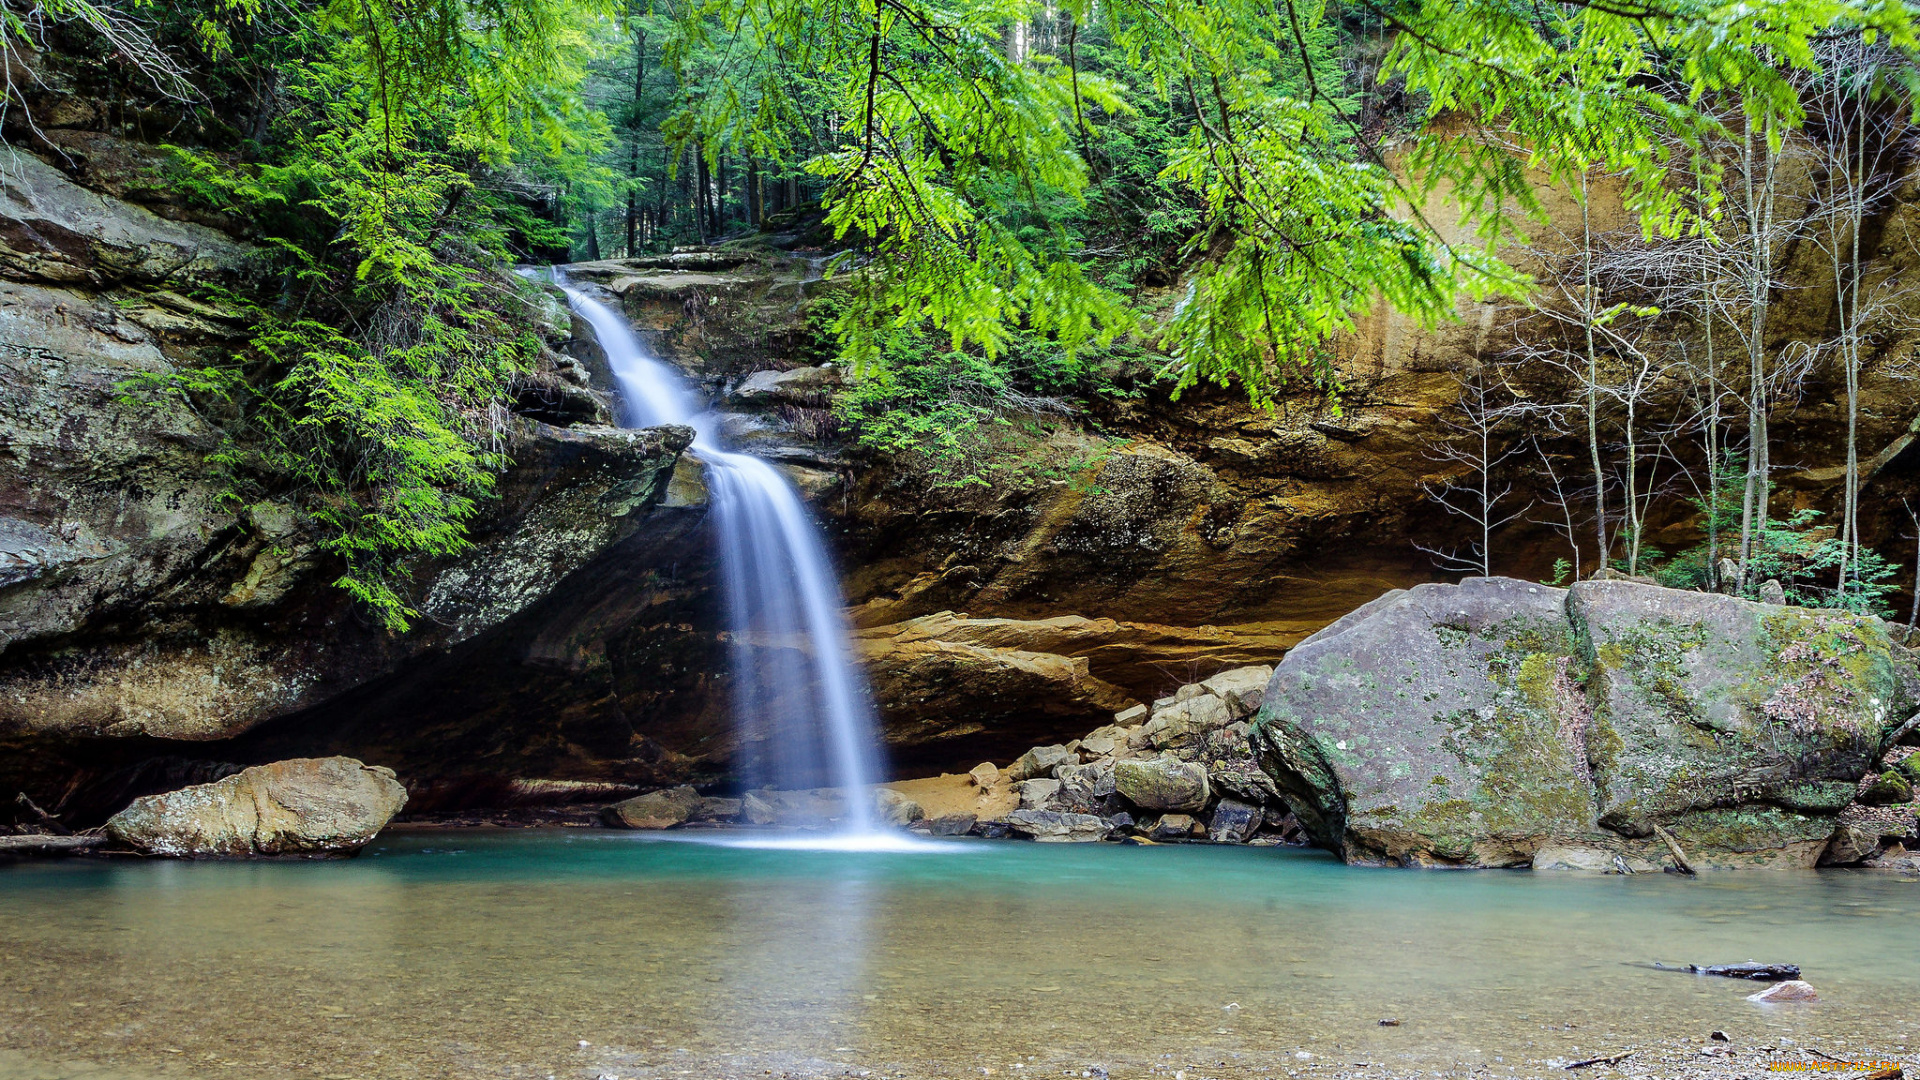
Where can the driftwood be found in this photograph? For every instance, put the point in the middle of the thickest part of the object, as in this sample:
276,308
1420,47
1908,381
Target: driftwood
1614,1060
48,823
1679,856
48,844
1748,970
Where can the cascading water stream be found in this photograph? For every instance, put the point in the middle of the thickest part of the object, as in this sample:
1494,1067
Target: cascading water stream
798,696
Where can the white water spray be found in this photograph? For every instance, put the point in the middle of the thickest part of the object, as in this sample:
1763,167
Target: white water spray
798,697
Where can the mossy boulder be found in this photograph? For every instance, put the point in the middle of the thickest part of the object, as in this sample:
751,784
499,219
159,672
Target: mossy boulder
1749,725
1438,724
1498,722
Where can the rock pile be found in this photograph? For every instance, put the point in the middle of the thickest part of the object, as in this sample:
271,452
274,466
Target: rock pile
1180,769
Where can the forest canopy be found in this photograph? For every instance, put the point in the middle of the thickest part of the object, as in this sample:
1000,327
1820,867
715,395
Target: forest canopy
1227,185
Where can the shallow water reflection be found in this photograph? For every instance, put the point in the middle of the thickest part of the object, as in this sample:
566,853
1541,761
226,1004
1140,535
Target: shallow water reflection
500,954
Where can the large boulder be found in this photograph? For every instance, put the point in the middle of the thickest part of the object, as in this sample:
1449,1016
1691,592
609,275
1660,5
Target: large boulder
307,806
1743,728
1434,723
1485,723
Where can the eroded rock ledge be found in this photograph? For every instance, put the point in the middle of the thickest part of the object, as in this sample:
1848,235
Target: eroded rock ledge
1504,723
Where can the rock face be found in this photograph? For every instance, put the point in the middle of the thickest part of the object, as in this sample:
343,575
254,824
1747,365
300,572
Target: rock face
307,806
150,632
1499,723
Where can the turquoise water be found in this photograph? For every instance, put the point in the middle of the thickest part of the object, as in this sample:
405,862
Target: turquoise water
455,954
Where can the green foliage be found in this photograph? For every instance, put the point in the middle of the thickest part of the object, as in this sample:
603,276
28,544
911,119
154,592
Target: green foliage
374,390
1795,550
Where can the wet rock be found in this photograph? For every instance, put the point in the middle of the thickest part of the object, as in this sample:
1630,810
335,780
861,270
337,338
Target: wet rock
1121,823
896,809
1163,783
1233,822
984,775
807,386
1794,990
1040,761
306,806
1036,794
654,810
714,808
1175,827
755,810
949,824
993,830
1750,969
1050,826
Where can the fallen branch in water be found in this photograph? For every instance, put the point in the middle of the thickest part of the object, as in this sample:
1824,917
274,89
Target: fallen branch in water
1679,856
1614,1060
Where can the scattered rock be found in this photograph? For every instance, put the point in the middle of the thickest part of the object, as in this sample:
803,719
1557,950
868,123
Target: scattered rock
1242,689
1175,827
984,775
1048,826
1040,761
1131,716
949,824
1794,990
1234,822
655,809
305,806
1388,1021
755,810
1771,592
1163,783
1035,794
896,809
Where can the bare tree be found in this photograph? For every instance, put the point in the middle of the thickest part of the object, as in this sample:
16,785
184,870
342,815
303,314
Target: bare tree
1473,443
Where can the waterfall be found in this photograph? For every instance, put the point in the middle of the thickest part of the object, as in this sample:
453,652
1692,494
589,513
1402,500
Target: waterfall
799,699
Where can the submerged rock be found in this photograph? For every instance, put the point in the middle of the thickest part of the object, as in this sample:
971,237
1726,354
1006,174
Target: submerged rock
1502,723
306,806
1794,990
655,809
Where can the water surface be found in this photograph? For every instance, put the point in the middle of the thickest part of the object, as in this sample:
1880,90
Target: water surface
498,954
